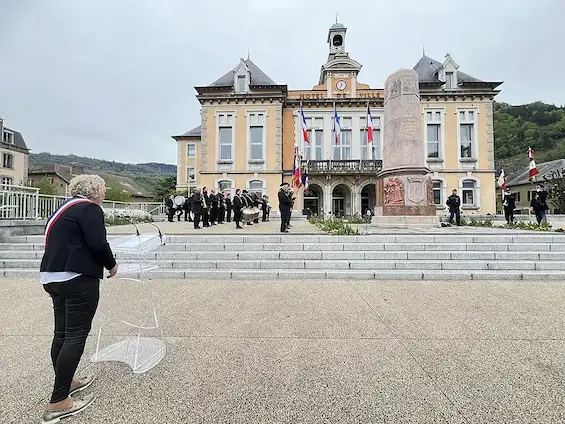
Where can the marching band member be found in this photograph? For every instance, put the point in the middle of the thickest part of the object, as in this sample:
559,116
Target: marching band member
187,209
196,206
205,207
221,208
238,205
213,207
228,207
169,204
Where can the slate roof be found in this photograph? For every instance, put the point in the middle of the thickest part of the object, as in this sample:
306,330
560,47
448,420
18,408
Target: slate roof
258,77
195,132
18,139
60,170
427,69
554,167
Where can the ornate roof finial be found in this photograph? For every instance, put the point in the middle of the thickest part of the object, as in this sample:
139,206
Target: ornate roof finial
247,52
336,18
423,49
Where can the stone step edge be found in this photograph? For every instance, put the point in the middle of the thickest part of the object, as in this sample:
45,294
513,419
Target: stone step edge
246,275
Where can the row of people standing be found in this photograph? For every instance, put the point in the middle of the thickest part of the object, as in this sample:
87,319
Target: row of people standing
216,208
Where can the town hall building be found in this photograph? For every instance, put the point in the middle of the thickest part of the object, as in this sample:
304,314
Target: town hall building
250,126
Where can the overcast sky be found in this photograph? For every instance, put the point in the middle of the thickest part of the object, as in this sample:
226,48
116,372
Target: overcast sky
114,79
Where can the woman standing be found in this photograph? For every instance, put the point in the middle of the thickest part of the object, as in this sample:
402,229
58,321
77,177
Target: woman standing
76,253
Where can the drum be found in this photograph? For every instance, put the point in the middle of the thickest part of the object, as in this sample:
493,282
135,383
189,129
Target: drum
247,214
179,202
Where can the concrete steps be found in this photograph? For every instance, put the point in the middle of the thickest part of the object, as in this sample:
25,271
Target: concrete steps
515,256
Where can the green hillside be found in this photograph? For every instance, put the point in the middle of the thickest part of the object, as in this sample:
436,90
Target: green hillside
146,175
537,125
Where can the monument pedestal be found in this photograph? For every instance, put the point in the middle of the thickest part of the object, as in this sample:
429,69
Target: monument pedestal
407,199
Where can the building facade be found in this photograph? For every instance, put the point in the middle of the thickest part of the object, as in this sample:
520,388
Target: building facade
250,127
14,157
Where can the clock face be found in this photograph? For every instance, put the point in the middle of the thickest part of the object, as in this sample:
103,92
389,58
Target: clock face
341,85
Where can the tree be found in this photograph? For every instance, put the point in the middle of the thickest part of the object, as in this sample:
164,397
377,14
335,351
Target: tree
556,191
116,194
164,186
45,187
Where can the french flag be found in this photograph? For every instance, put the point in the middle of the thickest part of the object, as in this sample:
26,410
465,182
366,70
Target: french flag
337,126
533,168
297,175
369,126
304,126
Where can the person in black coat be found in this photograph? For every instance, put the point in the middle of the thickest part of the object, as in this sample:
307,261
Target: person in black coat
264,207
221,208
196,206
213,207
76,254
454,205
228,207
285,205
509,204
187,207
205,208
539,203
238,205
170,205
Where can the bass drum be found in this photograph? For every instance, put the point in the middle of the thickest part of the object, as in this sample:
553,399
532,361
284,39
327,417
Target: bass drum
247,214
179,201
256,212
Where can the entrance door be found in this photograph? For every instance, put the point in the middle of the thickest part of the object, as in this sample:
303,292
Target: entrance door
338,207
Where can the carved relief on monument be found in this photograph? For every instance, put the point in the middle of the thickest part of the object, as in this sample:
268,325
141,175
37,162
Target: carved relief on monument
409,87
416,193
430,186
409,128
394,191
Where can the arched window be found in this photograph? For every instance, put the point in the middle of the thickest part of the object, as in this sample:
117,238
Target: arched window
256,186
468,193
224,185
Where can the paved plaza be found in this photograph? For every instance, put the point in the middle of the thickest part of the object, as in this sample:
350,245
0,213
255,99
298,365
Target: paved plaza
310,352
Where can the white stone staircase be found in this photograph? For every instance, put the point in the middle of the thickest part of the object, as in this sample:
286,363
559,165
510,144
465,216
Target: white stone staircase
514,256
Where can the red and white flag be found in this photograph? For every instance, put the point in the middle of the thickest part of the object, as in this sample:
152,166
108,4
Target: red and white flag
533,169
369,125
304,125
502,180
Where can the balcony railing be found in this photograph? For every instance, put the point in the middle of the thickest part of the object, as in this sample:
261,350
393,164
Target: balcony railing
358,166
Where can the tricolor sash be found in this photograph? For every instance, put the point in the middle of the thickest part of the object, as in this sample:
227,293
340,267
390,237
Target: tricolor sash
60,211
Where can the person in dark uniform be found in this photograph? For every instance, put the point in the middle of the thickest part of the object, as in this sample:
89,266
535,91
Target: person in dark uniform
454,205
539,204
256,204
205,208
196,207
247,202
228,207
285,203
509,204
170,205
187,207
264,207
213,207
292,199
221,208
238,204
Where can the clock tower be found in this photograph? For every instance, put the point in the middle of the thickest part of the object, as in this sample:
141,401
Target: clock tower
339,74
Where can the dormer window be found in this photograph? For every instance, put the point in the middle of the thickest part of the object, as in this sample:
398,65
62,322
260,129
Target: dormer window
449,81
8,137
241,86
449,73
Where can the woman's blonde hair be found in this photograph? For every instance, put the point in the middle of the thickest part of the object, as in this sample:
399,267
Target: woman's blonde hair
89,186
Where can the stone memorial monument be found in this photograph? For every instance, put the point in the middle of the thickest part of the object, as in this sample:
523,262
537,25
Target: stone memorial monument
405,184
